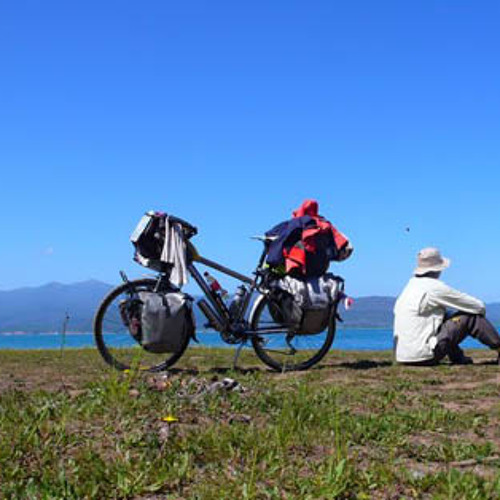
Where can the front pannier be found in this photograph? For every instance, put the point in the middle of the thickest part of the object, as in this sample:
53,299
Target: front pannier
148,239
166,321
304,306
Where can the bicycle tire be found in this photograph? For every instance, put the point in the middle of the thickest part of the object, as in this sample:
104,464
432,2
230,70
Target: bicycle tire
259,342
129,353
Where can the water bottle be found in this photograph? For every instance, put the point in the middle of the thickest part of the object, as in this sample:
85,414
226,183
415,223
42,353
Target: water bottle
215,285
238,302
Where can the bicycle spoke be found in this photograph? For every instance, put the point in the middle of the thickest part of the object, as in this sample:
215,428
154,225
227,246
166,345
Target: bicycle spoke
283,350
114,340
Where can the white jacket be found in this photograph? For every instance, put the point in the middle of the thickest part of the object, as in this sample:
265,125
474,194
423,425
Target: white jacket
420,311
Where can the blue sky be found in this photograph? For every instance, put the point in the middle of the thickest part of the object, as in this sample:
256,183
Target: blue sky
229,114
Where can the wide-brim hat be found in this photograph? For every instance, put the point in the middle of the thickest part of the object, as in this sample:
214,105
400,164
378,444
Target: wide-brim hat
430,259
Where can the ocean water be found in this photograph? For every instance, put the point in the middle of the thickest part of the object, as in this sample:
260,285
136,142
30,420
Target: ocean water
348,339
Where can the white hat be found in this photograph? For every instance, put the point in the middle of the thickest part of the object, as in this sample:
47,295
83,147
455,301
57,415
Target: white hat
430,259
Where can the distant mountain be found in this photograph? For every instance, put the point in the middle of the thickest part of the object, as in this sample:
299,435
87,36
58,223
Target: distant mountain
377,312
493,313
42,309
373,312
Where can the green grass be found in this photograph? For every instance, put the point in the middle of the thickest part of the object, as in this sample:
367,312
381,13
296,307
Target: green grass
355,427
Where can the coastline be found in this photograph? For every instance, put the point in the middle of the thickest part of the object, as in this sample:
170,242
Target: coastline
346,339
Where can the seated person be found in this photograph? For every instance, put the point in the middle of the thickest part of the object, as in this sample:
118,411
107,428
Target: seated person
423,331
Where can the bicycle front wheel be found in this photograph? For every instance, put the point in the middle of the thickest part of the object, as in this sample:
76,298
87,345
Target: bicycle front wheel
113,337
282,350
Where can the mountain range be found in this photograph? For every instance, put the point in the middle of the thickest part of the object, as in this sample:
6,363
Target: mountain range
43,309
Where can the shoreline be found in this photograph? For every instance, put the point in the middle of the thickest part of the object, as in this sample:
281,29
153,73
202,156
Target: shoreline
21,333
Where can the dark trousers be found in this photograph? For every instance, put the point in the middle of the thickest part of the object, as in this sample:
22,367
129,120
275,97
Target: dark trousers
454,330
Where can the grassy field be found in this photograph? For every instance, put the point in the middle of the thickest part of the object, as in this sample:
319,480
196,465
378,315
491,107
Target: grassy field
354,427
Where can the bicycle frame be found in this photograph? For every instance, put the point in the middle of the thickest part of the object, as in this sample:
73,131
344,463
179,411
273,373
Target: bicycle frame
225,324
232,329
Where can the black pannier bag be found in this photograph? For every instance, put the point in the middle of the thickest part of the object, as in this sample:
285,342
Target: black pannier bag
166,321
317,262
304,305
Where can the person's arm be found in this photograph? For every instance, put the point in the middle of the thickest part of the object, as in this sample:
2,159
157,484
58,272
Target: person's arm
448,297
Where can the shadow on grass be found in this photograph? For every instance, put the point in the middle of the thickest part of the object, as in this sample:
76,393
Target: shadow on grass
361,364
484,362
219,370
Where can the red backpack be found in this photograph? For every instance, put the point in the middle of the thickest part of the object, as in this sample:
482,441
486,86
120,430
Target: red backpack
308,242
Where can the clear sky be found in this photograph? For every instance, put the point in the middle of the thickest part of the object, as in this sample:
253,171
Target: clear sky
230,113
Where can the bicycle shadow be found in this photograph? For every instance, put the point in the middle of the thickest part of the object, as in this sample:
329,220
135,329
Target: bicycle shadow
216,370
362,364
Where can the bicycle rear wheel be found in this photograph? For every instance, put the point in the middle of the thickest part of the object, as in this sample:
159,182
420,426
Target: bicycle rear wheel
283,351
114,340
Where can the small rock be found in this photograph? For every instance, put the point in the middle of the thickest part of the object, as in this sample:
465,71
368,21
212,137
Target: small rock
417,474
216,386
164,433
226,384
464,463
134,393
74,393
246,419
159,383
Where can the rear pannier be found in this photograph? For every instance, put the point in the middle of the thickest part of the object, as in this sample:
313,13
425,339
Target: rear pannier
304,305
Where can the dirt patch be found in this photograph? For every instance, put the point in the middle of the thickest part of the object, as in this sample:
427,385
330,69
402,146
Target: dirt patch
454,386
418,470
49,370
425,439
479,405
341,379
41,380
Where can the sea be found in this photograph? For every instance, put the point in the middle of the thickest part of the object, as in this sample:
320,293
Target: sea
349,339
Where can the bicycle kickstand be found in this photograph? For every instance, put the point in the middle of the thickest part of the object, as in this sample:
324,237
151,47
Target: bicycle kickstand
237,355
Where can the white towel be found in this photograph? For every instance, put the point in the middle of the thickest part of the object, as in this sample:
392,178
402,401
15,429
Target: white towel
174,252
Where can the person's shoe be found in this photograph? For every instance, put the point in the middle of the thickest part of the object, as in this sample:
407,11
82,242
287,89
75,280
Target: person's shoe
462,360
